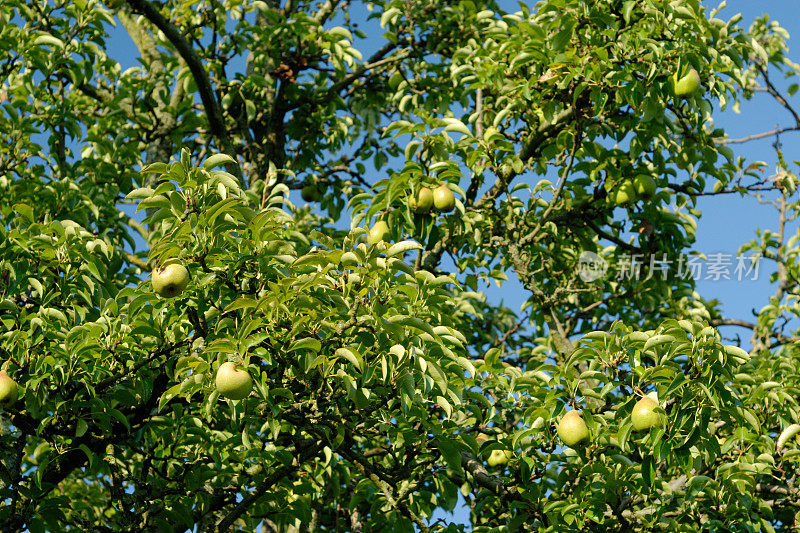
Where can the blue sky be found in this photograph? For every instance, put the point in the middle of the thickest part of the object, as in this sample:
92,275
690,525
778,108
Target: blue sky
730,221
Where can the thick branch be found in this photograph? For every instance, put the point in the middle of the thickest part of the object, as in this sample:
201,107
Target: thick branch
195,64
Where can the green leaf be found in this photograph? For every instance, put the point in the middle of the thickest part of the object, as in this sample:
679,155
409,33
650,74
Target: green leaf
402,247
46,38
217,160
413,322
456,126
451,453
140,193
25,211
648,470
306,343
351,355
89,454
738,354
240,303
627,9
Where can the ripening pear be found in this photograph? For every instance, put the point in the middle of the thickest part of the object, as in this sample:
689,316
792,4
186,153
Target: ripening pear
310,192
687,85
170,280
626,194
498,457
379,232
8,388
232,382
443,199
644,415
572,429
645,186
423,202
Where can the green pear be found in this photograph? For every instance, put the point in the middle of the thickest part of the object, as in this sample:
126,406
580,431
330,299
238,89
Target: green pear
233,383
8,389
379,232
499,457
644,415
687,85
423,202
310,193
645,186
572,429
170,280
443,199
626,194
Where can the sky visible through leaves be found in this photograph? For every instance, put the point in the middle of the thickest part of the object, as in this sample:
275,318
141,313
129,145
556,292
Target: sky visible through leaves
728,221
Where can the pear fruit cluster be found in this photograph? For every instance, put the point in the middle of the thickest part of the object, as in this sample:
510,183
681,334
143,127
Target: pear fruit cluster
630,191
441,198
423,202
573,430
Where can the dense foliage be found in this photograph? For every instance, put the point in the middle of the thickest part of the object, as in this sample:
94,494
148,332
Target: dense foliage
568,130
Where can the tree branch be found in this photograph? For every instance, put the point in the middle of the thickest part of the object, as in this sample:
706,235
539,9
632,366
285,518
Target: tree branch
528,150
779,338
266,484
195,64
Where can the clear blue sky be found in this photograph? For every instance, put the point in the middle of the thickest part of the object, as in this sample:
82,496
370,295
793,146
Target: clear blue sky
729,221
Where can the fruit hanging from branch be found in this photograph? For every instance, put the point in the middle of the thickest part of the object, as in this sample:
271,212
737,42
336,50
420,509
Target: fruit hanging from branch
644,415
8,389
443,199
626,194
645,186
233,383
499,457
687,85
572,429
379,232
310,193
170,280
422,202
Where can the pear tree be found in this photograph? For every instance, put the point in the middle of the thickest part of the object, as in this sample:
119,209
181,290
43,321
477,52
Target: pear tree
185,346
